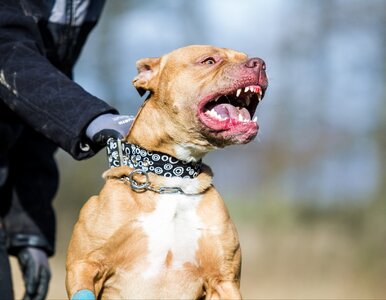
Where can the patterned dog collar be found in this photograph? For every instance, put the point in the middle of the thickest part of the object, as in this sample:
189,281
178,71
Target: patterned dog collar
120,153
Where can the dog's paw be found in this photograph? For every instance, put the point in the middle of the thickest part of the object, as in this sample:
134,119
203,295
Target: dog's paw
83,295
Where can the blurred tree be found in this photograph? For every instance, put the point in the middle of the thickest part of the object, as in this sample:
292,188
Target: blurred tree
380,130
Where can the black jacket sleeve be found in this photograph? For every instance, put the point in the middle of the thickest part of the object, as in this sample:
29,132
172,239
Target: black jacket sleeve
37,92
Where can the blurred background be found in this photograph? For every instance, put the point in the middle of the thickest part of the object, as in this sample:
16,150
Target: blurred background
308,195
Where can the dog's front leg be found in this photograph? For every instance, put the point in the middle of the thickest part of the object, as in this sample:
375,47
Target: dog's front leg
224,290
84,280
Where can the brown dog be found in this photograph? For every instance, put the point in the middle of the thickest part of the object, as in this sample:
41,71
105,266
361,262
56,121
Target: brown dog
172,237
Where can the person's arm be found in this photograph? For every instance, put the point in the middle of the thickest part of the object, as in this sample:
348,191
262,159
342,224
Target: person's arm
37,92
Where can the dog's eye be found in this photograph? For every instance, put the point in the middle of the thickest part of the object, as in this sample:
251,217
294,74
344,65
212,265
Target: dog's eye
208,61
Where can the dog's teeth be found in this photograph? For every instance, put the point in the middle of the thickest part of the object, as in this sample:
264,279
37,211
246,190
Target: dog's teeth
238,92
259,97
217,98
246,89
241,118
255,119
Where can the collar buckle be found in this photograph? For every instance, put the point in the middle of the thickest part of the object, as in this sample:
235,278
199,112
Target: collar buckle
115,153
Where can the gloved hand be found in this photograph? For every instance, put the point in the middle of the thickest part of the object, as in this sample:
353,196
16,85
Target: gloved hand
36,272
108,125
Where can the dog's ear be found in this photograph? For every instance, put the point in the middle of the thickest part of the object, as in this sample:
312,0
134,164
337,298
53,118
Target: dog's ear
147,77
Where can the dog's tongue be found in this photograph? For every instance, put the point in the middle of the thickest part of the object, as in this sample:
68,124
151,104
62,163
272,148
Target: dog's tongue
227,111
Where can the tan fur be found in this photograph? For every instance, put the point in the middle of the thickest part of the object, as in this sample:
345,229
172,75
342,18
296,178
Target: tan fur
109,249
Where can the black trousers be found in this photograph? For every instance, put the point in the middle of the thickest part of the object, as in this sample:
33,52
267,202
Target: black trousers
5,270
28,183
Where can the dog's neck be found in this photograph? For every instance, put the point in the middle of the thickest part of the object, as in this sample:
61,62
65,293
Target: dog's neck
154,131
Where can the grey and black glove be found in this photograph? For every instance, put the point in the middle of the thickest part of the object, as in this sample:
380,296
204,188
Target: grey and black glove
108,125
36,272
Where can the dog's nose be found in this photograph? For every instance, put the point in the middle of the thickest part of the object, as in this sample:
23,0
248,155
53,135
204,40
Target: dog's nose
255,62
258,66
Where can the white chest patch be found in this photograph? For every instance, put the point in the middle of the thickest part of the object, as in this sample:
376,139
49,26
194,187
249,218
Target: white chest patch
174,226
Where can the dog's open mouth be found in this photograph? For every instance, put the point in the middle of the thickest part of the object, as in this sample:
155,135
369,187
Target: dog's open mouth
232,111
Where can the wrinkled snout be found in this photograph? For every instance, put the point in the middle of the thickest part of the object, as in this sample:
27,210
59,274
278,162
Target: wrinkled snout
257,65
